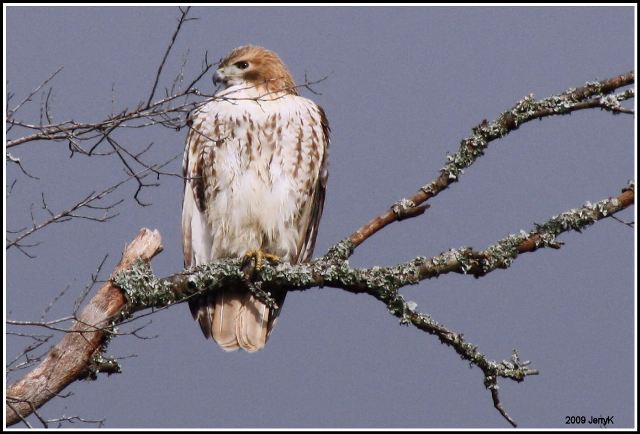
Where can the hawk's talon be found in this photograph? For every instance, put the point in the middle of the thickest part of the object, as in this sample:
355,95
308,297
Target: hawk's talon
259,256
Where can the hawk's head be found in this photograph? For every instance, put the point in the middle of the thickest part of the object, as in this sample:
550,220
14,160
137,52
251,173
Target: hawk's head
255,66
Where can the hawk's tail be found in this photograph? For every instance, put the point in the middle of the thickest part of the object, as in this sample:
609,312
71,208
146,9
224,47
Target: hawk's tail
235,318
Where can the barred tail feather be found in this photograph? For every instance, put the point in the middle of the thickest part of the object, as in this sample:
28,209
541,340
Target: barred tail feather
234,319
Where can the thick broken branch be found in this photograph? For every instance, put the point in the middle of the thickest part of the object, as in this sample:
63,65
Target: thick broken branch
71,358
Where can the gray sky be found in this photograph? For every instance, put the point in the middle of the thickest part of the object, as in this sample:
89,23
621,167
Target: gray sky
405,85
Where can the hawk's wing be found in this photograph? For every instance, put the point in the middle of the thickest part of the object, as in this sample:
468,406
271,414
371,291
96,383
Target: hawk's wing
310,219
197,157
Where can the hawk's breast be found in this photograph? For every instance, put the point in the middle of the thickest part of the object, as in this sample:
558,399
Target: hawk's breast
255,165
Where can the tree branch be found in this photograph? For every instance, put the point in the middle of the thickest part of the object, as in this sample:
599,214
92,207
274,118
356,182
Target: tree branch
12,112
591,95
182,20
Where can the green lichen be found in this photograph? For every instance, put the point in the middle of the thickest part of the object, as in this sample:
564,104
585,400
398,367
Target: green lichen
101,364
577,219
402,207
503,253
141,288
214,275
340,251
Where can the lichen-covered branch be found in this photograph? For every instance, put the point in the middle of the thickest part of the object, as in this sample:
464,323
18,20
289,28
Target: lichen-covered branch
500,255
591,95
80,353
143,290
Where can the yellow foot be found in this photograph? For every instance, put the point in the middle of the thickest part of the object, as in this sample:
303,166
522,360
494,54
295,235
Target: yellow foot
259,256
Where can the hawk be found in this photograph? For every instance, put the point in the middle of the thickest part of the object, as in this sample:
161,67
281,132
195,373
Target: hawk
255,170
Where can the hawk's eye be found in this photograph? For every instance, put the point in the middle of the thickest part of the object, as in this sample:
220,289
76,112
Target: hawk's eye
242,64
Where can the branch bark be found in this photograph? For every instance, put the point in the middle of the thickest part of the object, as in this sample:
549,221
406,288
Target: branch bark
71,358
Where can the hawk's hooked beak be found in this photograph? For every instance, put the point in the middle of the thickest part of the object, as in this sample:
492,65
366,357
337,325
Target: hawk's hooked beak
219,77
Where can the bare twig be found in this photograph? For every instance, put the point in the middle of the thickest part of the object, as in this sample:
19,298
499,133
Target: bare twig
13,111
53,302
74,419
89,286
17,161
630,224
88,202
205,68
27,352
181,20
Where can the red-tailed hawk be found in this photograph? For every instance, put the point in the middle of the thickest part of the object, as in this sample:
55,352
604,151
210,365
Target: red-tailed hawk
255,168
